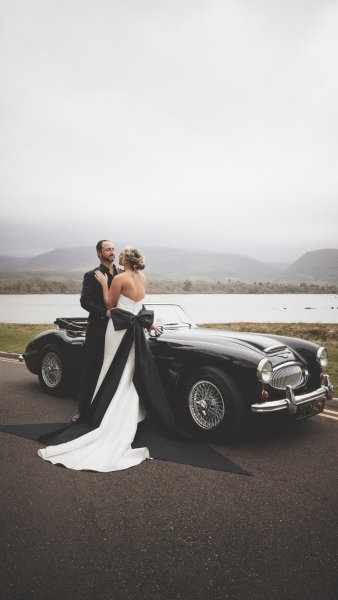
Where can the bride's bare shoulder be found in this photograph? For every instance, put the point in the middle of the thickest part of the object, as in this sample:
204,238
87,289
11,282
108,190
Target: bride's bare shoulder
120,276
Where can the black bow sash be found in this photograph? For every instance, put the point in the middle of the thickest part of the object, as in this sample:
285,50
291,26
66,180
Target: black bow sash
123,319
146,378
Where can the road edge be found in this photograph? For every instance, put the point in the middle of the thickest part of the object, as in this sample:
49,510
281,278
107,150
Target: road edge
9,355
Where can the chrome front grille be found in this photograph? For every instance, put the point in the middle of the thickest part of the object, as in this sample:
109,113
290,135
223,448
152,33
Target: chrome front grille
291,374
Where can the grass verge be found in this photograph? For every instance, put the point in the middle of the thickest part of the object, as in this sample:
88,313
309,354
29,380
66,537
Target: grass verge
15,337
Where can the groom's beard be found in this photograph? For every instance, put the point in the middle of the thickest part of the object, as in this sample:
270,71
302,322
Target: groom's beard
108,259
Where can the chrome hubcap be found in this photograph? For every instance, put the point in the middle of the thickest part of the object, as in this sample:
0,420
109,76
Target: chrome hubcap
51,369
206,404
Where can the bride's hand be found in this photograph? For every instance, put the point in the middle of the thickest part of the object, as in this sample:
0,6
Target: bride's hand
101,277
156,330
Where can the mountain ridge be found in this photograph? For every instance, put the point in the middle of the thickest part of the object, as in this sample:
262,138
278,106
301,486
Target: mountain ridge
164,263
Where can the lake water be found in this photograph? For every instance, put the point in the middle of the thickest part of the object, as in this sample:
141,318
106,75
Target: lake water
202,308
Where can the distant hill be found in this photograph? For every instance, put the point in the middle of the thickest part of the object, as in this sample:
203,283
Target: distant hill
64,259
162,263
320,266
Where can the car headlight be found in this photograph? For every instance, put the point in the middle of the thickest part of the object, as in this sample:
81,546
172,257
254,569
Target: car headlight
322,357
264,370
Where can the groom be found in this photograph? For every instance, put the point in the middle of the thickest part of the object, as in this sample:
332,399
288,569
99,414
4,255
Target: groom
92,301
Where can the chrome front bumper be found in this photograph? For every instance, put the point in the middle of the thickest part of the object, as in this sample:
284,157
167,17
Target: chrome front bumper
291,402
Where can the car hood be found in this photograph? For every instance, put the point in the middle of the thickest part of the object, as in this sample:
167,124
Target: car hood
263,344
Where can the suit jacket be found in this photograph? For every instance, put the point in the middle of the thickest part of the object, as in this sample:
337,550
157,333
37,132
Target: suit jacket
92,301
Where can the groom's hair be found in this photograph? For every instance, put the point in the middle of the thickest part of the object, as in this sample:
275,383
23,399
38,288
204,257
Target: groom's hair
99,245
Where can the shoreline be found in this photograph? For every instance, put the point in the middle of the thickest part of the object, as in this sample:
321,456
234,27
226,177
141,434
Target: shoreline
28,284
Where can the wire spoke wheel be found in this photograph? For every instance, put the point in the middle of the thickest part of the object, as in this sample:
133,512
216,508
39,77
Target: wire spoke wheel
206,404
51,369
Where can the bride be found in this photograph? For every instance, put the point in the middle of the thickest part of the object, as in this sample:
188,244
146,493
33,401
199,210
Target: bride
116,407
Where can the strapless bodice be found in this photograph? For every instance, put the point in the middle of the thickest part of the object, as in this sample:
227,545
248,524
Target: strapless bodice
129,305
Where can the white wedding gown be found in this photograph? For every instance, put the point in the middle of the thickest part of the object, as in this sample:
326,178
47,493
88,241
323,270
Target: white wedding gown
108,448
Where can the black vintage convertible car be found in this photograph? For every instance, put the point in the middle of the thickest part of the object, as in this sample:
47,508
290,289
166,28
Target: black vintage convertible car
214,379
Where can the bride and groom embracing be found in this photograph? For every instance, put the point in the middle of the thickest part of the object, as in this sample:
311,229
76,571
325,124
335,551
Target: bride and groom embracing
120,385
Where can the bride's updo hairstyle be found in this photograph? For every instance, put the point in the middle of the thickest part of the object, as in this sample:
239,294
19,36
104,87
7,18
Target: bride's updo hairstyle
134,257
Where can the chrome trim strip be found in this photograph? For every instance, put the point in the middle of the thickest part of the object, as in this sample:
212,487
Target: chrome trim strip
289,363
291,402
275,347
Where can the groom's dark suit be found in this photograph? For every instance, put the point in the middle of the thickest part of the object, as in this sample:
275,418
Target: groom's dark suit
92,301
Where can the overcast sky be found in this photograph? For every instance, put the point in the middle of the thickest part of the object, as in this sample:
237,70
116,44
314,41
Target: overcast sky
190,123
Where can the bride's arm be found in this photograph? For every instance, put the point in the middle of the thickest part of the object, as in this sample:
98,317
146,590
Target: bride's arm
112,294
114,291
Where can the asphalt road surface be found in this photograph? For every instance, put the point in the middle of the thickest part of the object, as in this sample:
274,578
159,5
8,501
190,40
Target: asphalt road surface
167,531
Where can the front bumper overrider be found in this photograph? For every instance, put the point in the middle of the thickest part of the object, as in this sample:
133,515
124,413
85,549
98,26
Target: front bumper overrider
291,402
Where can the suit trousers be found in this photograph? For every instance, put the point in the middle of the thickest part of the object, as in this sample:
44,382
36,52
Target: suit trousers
93,359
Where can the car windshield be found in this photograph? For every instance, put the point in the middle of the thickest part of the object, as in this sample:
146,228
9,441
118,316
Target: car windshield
170,316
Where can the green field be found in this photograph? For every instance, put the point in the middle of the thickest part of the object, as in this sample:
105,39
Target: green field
14,338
